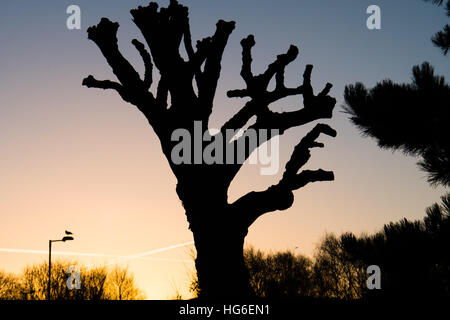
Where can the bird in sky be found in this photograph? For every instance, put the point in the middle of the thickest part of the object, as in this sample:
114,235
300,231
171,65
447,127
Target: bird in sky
68,232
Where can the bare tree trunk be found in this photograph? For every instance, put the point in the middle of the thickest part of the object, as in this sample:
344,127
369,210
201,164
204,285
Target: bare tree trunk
220,263
219,232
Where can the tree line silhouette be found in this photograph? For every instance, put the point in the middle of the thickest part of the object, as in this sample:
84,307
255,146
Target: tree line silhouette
414,258
99,283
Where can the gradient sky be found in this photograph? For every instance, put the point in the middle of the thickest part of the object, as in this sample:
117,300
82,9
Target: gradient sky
83,160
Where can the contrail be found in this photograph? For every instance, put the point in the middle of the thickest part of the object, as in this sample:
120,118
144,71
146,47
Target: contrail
64,253
124,258
147,253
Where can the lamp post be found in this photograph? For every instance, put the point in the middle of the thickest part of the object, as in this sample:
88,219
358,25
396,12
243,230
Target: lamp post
64,239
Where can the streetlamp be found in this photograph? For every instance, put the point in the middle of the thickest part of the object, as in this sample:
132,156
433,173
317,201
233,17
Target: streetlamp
64,239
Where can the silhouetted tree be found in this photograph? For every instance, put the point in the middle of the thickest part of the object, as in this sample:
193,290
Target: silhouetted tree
336,275
219,227
121,285
275,275
280,274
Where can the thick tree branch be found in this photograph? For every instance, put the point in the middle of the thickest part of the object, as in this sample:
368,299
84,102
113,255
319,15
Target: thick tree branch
246,71
105,36
91,82
307,176
278,66
210,76
188,41
162,93
200,55
257,85
280,196
131,88
163,31
148,65
301,154
315,107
